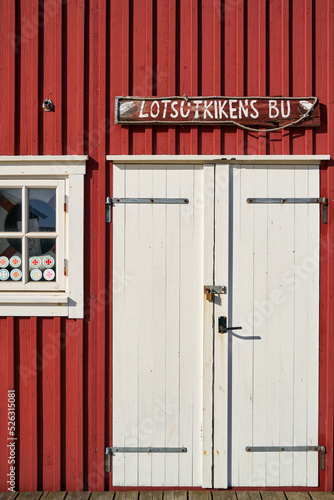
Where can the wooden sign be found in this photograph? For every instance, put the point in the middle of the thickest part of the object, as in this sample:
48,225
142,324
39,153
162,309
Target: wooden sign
267,112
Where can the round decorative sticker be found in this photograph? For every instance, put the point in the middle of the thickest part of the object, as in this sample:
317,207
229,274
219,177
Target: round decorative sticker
48,261
15,274
35,262
4,274
49,274
36,274
4,261
15,261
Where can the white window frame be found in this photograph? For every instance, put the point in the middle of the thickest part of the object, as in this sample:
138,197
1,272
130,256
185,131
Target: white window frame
68,300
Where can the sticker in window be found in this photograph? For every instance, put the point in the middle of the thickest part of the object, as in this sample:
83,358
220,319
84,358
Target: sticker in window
4,261
16,274
42,257
4,274
49,274
15,261
36,274
11,258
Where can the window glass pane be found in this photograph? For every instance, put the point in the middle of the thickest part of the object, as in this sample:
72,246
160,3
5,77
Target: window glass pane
10,260
42,213
42,259
10,209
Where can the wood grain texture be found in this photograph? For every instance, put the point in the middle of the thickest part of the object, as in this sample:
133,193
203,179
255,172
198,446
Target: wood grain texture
82,54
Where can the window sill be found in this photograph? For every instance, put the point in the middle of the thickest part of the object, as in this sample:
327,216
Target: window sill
33,298
33,304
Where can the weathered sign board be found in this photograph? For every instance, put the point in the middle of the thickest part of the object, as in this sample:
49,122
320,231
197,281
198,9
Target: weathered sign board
243,111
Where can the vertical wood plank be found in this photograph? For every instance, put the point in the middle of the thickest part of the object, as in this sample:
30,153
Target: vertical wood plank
229,16
27,402
159,313
126,54
242,349
298,59
311,267
191,353
263,50
171,404
260,320
193,55
286,324
163,69
72,345
302,338
252,63
208,334
148,300
221,340
308,46
206,69
130,396
50,373
172,49
118,318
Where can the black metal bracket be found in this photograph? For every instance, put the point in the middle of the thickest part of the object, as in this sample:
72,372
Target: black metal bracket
222,322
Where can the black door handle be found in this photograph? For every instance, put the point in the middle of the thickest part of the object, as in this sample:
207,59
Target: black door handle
222,322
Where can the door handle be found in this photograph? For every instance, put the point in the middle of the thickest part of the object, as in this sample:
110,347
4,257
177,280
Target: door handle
222,322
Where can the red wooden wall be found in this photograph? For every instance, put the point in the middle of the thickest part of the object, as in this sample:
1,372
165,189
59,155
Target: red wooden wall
81,53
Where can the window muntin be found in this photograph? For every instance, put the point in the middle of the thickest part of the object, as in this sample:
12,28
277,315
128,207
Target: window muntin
32,234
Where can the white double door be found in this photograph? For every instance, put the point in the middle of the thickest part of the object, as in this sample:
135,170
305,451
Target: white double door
177,381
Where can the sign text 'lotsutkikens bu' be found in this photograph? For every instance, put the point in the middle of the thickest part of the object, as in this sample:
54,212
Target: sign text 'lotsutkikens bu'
249,111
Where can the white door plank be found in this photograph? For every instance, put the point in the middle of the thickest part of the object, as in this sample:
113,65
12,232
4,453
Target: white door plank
208,202
301,342
144,325
260,320
311,267
221,341
118,291
130,371
171,403
241,341
159,313
191,350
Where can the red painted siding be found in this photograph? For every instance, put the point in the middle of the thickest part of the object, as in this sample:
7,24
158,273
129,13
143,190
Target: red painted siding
81,53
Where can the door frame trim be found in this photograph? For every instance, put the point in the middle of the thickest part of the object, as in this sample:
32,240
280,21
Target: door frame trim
213,159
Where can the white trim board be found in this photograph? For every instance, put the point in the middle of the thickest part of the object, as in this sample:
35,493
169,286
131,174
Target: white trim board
43,158
256,159
46,166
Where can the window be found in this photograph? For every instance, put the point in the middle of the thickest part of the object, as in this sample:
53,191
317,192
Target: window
41,236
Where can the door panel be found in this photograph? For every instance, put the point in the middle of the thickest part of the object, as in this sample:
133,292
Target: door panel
273,363
177,381
158,325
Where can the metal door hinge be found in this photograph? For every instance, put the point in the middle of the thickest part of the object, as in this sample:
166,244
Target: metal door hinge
320,449
151,201
321,201
65,203
133,449
65,267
